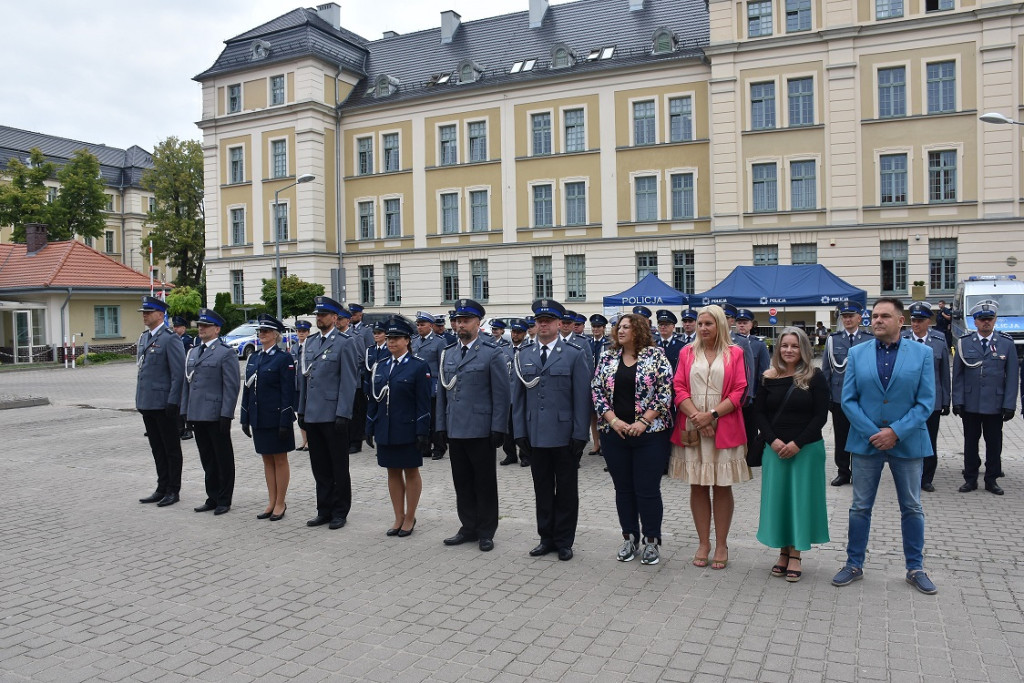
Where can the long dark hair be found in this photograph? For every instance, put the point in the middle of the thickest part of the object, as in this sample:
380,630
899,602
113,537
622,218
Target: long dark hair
642,337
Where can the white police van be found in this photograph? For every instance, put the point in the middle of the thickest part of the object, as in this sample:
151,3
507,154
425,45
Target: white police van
1006,290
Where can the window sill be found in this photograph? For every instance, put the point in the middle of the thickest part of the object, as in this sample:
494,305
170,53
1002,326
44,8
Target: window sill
379,174
806,126
917,117
464,164
239,184
107,336
555,155
655,145
790,212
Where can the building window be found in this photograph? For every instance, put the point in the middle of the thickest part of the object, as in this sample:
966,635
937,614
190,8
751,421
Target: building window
481,286
664,43
765,187
479,211
938,5
643,123
449,145
365,156
543,285
759,18
237,227
892,92
276,90
51,195
152,204
449,281
942,265
682,195
561,59
804,254
801,101
543,209
281,221
234,98
646,264
541,126
279,158
894,267
88,243
576,203
888,9
893,178
941,87
575,133
798,15
110,203
803,185
367,230
237,287
762,106
576,277
108,242
392,160
393,280
942,176
646,197
680,119
766,254
684,274
478,141
237,165
393,217
284,272
449,213
366,284
108,321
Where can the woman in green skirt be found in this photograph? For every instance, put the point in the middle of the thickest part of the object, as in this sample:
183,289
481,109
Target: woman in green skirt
790,410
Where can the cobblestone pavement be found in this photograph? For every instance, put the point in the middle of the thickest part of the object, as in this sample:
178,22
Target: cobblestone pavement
95,586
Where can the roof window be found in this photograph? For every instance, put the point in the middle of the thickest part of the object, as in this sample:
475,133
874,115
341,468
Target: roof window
522,66
601,53
470,71
385,86
607,52
664,42
561,58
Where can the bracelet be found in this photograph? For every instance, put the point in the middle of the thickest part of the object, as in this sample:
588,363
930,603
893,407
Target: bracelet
644,420
614,421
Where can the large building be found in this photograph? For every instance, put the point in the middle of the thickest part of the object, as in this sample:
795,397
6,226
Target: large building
567,151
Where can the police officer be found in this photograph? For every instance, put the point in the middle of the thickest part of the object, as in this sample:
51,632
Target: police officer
551,409
473,397
579,328
531,328
519,342
599,343
428,345
566,326
302,328
667,339
985,382
762,359
330,367
374,354
360,329
644,311
358,423
689,319
447,335
179,325
920,318
748,353
208,399
161,362
833,366
498,332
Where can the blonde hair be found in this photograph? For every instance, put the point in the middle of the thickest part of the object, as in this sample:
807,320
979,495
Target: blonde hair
805,366
722,341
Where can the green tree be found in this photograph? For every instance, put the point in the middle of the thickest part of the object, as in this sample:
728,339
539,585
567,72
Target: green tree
178,223
23,199
297,296
78,208
184,301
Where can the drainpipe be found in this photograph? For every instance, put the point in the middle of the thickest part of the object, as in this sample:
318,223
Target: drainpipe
63,327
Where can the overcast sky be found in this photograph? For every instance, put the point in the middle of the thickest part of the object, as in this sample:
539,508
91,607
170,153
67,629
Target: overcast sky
119,72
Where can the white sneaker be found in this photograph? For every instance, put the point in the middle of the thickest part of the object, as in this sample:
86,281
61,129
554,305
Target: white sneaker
650,554
627,552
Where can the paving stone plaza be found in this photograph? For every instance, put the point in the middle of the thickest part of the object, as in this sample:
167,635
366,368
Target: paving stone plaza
95,586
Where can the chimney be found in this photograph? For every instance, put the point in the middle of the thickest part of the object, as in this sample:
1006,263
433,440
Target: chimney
35,237
635,5
390,34
331,13
450,22
538,8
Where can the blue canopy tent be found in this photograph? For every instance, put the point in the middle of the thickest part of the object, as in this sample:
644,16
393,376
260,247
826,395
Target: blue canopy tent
755,286
650,291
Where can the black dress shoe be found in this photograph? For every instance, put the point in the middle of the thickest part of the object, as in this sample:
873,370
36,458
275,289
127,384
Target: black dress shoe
524,462
278,518
155,497
392,532
565,554
509,460
542,549
840,480
994,488
186,434
262,515
206,507
968,487
405,533
437,456
336,523
929,487
169,499
459,539
486,545
355,448
221,509
318,520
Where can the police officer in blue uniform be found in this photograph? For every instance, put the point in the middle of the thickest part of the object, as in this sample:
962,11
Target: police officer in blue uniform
748,353
374,354
985,383
447,335
361,342
762,359
179,325
551,409
921,314
473,397
428,345
833,367
498,333
519,342
579,325
531,328
302,328
358,328
567,326
667,339
688,317
599,343
330,367
208,399
161,362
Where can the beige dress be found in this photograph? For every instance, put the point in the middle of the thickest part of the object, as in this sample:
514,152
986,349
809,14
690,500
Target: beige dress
703,464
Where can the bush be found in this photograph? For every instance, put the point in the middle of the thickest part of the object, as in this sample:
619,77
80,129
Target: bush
105,356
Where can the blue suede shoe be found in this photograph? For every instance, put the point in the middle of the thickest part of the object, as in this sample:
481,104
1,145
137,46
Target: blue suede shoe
919,580
848,575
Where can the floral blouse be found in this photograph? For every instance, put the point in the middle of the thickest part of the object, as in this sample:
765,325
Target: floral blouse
653,386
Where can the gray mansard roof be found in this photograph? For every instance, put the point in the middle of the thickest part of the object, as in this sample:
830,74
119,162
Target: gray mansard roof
119,167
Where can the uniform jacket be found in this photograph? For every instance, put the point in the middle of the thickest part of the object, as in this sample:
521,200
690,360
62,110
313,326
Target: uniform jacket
833,360
330,366
371,356
748,364
904,406
187,342
429,349
557,409
363,333
403,411
730,431
479,396
761,359
991,386
510,350
211,386
299,379
268,393
581,341
672,347
653,386
161,361
598,346
940,353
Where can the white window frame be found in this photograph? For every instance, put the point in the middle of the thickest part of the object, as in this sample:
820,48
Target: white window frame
657,174
750,101
227,98
286,203
356,152
562,142
458,142
786,179
555,198
958,82
550,111
384,198
666,105
469,207
783,116
669,172
912,160
632,123
270,157
284,90
561,209
245,224
779,179
908,74
382,156
359,218
457,191
958,147
468,158
230,179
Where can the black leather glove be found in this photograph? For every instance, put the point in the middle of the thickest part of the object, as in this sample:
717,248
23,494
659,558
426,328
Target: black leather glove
577,446
369,440
423,444
441,439
225,425
957,410
247,430
284,432
341,425
1008,414
497,438
172,410
944,411
302,423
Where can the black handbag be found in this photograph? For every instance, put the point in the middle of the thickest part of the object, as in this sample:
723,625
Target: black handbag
755,455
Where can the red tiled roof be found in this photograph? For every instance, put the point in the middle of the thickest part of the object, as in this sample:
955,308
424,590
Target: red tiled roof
66,264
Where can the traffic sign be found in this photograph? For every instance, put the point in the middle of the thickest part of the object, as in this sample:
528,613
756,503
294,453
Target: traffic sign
773,311
772,320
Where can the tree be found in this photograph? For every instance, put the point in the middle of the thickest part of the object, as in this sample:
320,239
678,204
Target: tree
23,200
184,301
179,221
78,208
297,297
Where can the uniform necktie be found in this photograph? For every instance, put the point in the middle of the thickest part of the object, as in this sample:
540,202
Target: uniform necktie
852,336
543,355
202,349
920,341
984,345
465,349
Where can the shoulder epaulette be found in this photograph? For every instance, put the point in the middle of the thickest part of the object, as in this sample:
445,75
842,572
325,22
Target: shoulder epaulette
837,333
1006,335
345,335
453,344
573,345
489,344
966,335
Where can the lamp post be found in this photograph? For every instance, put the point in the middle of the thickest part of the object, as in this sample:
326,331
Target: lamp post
996,117
304,178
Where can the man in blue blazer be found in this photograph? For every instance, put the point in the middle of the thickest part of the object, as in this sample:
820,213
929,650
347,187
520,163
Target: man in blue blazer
888,396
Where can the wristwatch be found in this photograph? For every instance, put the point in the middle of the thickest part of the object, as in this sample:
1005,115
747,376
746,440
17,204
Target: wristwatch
714,414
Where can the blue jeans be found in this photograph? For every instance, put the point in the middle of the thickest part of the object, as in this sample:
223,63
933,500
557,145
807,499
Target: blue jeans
906,474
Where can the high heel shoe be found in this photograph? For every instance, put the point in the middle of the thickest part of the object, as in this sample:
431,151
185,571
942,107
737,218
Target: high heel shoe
402,533
393,532
265,515
274,518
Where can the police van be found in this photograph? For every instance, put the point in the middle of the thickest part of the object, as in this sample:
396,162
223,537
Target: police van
1006,290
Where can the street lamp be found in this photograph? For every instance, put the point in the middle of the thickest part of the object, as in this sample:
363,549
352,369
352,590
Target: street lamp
996,117
304,178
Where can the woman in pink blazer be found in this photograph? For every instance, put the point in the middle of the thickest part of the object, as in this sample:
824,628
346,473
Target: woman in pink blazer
709,441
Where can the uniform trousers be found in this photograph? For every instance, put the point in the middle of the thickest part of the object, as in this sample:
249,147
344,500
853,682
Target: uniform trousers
439,447
976,424
328,459
556,487
165,442
218,458
475,476
841,432
357,426
750,426
931,462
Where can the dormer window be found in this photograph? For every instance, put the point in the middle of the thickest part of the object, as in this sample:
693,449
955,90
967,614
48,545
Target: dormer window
469,72
386,85
260,49
664,42
562,58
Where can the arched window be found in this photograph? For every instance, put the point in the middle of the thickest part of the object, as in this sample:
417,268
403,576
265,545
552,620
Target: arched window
469,71
561,59
664,42
386,85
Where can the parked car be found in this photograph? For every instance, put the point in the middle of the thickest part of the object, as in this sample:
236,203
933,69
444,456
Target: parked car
244,341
